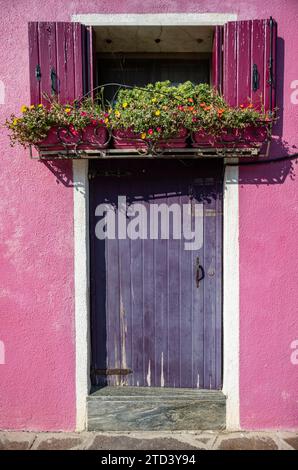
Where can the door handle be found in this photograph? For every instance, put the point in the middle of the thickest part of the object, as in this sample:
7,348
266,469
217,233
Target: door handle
200,273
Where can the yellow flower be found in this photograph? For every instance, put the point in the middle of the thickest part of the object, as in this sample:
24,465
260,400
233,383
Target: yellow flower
31,106
106,120
157,113
154,100
40,105
24,108
67,110
117,113
15,121
143,135
125,105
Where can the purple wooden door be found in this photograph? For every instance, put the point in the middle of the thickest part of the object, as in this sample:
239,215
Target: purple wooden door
156,306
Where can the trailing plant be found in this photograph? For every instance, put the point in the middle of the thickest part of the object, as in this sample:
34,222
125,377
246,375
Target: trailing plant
155,112
32,126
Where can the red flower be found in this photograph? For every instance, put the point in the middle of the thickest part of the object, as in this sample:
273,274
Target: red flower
83,113
150,131
158,129
94,122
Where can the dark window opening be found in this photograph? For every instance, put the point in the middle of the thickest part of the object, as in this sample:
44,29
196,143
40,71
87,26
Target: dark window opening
139,70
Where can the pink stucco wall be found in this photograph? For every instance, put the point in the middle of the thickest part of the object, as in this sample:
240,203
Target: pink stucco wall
36,244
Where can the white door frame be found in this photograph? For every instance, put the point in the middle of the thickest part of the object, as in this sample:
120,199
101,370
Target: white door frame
230,240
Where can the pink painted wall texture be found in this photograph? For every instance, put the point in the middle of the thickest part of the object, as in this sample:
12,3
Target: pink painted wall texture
37,250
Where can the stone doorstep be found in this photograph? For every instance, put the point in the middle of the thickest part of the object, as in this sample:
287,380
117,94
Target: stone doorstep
145,409
149,440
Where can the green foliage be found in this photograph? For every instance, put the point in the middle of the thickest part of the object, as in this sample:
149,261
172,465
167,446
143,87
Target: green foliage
157,111
35,122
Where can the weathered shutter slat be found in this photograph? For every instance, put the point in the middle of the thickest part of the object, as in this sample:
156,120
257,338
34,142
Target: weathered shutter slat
249,62
230,63
63,57
217,56
65,61
48,59
243,56
257,61
78,59
34,64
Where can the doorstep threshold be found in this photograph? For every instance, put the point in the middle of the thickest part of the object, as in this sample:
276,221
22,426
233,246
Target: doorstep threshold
155,409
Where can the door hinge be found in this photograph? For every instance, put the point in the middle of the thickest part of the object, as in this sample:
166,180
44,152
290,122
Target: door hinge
112,371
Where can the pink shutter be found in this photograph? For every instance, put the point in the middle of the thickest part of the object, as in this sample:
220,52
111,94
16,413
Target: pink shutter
249,62
59,61
217,57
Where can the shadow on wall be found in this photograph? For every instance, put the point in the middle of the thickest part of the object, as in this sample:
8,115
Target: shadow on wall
250,173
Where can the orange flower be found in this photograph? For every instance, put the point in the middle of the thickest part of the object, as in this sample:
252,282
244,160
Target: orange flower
207,108
190,100
191,108
250,105
202,105
242,106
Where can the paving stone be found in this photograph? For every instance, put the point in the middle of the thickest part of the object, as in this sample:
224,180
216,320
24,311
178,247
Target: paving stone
16,440
247,443
62,442
292,441
102,442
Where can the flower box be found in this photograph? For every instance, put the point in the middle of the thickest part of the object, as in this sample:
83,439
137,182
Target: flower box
128,139
67,138
249,137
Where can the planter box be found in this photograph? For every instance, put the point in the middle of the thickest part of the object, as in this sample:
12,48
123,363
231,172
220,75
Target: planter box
63,138
127,139
248,137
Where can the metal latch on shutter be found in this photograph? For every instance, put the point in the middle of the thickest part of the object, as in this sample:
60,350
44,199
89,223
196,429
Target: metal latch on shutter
53,77
255,78
38,73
